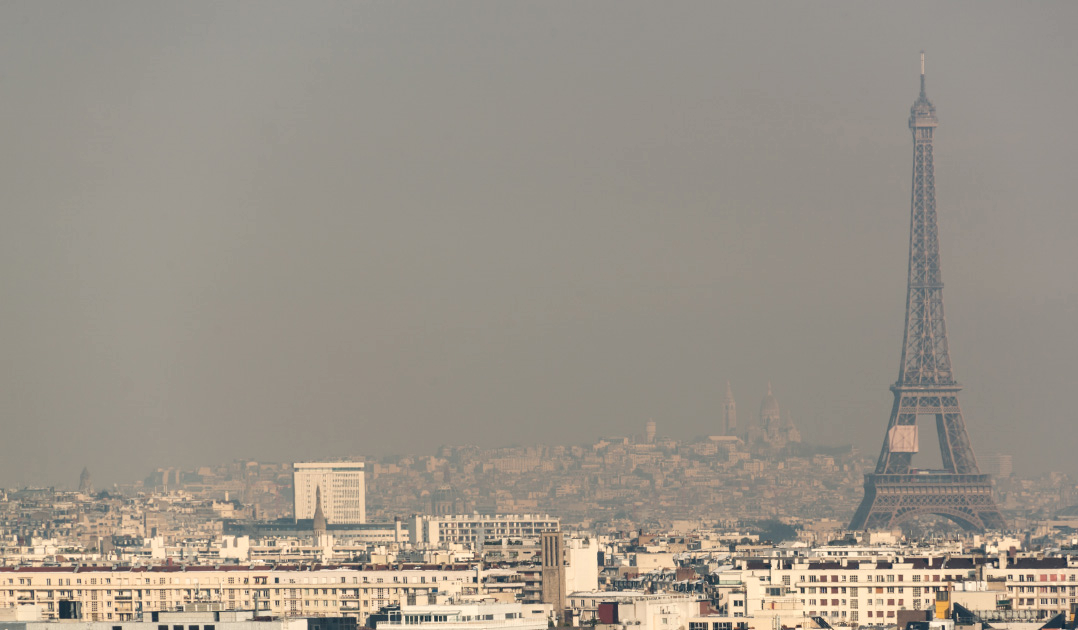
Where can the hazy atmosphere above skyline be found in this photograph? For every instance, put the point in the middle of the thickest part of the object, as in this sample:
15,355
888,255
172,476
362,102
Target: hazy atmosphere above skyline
293,230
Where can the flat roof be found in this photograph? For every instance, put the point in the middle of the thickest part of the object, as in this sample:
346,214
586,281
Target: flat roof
358,465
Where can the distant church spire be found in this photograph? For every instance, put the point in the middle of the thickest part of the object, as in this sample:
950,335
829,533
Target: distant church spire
319,524
770,416
86,483
729,412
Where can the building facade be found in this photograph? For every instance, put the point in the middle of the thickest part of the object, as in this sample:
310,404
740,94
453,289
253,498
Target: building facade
125,594
874,592
342,488
463,615
471,529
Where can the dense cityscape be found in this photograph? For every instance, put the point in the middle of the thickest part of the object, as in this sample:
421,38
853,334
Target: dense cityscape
754,525
727,529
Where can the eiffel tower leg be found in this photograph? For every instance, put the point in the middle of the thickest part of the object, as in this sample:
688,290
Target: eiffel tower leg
860,517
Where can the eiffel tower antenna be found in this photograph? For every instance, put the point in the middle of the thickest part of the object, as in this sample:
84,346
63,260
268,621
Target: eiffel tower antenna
926,386
922,73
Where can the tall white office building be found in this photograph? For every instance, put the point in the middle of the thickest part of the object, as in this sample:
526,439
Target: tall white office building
342,488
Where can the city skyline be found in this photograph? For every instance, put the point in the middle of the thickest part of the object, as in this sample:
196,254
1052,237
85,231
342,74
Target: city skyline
300,233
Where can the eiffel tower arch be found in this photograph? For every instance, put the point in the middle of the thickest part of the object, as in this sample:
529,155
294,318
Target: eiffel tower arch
896,492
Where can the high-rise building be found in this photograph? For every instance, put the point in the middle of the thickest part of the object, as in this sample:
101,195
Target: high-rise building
342,489
649,431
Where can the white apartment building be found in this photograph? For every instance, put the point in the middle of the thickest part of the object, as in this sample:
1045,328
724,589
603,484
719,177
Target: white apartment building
465,616
474,528
581,565
124,594
859,592
185,620
647,611
342,488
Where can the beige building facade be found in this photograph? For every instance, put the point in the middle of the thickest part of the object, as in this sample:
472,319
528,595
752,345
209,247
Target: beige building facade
342,488
107,594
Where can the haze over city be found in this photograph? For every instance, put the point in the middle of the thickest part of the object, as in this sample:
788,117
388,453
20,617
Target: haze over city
292,231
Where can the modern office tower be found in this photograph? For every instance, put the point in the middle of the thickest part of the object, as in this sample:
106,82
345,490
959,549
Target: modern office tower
342,489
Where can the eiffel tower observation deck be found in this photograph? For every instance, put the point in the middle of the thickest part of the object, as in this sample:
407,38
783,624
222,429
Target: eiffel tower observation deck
926,386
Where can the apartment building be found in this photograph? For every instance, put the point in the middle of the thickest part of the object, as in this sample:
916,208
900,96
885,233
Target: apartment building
858,592
123,594
475,528
185,620
463,615
649,611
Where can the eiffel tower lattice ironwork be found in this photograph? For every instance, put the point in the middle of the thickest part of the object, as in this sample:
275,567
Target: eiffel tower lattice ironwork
926,384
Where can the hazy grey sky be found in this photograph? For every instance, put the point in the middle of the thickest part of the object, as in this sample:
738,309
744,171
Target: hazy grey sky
287,230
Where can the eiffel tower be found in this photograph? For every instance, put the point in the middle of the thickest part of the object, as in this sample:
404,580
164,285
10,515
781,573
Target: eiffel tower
926,386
